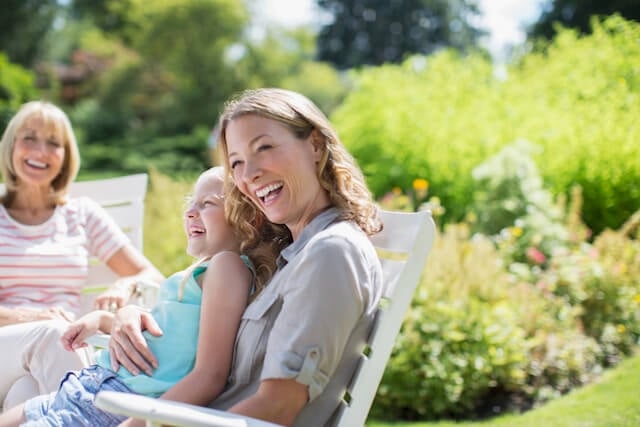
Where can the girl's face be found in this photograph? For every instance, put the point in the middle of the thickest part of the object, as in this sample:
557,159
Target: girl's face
276,170
207,230
38,153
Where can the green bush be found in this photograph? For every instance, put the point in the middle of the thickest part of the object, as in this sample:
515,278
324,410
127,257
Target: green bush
439,117
17,86
450,356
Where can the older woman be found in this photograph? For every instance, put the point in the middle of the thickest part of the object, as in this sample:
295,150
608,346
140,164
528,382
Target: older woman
46,240
299,340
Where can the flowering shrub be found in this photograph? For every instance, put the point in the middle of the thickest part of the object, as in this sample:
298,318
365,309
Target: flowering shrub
413,199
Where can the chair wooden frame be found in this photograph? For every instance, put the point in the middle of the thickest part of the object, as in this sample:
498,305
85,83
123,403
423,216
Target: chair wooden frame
403,247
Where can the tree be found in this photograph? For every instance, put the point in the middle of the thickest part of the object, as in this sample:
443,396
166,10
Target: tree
373,32
23,26
577,14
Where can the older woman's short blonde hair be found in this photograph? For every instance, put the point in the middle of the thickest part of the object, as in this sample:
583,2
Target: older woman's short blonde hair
55,119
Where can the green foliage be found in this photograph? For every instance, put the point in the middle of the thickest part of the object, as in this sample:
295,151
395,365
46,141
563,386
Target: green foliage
374,32
164,237
179,154
461,340
439,117
23,27
578,14
511,205
610,401
16,87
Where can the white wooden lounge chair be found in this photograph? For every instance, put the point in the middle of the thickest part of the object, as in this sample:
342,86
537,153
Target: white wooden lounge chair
403,247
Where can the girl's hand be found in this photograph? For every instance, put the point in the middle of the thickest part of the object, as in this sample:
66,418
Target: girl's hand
127,346
78,331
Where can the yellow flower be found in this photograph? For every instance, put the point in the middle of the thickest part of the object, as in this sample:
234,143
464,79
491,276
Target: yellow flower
420,184
621,328
516,231
636,299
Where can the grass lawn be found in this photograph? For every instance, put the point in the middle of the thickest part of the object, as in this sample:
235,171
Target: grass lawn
612,401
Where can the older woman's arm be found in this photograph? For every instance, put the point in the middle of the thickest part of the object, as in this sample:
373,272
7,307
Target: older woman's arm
132,267
14,315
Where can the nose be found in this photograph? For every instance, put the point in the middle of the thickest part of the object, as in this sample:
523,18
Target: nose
191,211
252,171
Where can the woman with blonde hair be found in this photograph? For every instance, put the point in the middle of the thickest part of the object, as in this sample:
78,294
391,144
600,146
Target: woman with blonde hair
46,240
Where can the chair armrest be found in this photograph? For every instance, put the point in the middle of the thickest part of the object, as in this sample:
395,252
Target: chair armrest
161,411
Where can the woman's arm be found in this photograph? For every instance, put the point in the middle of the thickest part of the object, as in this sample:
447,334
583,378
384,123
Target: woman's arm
132,267
127,346
278,401
14,315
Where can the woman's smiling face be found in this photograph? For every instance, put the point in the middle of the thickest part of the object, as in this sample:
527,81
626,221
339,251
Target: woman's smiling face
38,152
276,170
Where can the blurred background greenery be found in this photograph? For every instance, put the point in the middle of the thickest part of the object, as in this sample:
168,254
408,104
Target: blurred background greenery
529,161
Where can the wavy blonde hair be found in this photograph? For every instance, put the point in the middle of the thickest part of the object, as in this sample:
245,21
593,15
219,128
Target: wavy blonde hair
56,119
337,170
262,252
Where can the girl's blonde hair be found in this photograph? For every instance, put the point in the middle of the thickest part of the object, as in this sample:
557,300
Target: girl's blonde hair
56,119
337,171
262,254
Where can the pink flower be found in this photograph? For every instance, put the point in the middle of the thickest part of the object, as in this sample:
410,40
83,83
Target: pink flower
535,255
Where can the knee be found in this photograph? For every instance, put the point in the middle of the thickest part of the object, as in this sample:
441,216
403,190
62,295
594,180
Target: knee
51,330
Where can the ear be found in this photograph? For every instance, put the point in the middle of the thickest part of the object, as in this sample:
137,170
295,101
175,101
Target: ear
318,142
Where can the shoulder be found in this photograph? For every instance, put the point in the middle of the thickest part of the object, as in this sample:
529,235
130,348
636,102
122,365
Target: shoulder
342,237
227,264
81,205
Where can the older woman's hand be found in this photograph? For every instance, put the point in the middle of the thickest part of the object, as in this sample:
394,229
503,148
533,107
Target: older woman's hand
114,297
127,345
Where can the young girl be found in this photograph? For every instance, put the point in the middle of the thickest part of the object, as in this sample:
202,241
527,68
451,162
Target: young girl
194,348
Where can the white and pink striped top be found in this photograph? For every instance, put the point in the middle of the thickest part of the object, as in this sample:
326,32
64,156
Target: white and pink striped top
47,264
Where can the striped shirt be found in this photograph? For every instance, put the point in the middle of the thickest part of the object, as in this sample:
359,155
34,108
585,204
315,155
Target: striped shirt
47,264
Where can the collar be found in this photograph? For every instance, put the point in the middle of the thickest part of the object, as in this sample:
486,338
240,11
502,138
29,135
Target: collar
317,224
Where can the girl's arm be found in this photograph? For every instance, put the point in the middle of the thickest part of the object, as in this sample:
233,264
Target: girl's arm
78,331
225,293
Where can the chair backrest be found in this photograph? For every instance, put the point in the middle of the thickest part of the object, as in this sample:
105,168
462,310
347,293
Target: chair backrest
403,247
123,198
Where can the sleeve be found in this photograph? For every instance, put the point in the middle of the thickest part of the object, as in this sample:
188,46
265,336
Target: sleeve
103,234
320,310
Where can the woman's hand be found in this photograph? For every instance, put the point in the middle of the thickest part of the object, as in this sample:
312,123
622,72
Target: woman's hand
115,297
127,345
132,423
78,331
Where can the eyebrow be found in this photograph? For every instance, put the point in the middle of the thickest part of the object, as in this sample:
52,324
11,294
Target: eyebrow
252,141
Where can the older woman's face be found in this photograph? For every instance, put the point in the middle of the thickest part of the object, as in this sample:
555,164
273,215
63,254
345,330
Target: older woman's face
276,170
38,153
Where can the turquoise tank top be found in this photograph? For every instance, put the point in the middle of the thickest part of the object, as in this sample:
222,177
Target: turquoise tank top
176,348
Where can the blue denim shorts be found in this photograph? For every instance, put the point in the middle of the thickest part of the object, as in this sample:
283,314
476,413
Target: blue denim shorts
72,404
